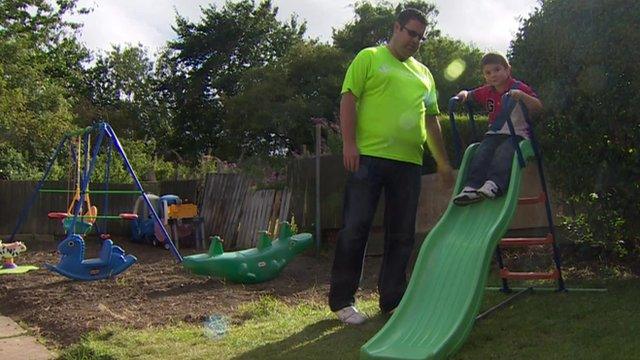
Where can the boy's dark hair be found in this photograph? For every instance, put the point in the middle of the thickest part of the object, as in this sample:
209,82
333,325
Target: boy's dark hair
411,14
493,58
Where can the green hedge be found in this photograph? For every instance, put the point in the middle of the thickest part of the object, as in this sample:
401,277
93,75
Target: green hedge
582,56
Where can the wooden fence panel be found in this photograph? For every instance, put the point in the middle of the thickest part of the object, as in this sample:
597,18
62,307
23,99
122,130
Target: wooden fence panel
284,205
221,205
256,219
14,196
302,182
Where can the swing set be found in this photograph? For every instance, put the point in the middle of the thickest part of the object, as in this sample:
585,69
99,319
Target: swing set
81,216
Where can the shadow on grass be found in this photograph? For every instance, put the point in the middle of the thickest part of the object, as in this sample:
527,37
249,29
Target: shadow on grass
326,339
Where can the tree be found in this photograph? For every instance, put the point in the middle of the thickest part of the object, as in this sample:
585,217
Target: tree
208,59
122,88
271,116
578,55
43,28
454,65
373,24
40,64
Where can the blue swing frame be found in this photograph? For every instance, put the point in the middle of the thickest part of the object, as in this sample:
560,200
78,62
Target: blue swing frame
112,258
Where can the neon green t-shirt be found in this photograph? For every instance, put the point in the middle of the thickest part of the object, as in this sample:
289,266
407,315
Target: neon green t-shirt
393,98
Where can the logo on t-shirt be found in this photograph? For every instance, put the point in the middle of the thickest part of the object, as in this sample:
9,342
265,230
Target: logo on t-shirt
491,105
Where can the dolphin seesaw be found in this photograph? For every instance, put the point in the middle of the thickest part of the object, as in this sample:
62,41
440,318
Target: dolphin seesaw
250,266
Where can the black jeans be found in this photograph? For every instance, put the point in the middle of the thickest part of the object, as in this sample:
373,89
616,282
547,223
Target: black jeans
401,184
492,161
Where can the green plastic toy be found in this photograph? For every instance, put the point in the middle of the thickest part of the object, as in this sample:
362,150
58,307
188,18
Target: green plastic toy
251,266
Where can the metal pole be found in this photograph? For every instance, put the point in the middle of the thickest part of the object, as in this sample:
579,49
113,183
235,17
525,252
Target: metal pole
548,289
503,303
318,225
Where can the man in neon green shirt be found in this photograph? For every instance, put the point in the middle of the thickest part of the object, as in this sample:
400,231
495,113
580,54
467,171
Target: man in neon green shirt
387,112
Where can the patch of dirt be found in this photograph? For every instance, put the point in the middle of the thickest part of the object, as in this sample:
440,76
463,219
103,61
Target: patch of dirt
154,291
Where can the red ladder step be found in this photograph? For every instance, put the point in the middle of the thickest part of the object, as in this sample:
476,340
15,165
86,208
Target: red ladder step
514,242
533,200
506,274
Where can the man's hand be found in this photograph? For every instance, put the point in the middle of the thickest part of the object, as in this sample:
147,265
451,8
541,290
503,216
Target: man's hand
350,157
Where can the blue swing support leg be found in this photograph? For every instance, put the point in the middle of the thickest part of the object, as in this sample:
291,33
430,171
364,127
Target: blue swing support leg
156,218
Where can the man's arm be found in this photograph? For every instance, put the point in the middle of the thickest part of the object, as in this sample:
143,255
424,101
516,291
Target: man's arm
350,153
436,146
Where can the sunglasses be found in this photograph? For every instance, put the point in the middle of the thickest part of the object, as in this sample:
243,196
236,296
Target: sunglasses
415,34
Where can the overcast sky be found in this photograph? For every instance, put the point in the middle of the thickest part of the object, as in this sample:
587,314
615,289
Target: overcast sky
488,24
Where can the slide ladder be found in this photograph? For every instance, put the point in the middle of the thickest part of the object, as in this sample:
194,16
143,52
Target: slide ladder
548,240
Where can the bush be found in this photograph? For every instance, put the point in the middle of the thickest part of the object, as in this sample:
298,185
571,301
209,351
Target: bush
582,58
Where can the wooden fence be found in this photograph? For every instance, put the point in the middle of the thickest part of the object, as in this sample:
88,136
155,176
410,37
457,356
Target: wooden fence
236,212
232,208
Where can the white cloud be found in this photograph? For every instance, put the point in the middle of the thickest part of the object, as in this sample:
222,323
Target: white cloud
489,24
142,21
321,16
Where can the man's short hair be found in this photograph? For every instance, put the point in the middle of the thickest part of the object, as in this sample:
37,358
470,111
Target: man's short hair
494,58
411,14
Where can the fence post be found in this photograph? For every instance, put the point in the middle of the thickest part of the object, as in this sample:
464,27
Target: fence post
318,124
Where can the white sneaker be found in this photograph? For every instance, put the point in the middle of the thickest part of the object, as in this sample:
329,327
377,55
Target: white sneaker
350,315
467,196
489,190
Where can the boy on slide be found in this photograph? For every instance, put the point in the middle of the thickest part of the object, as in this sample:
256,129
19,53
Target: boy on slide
491,165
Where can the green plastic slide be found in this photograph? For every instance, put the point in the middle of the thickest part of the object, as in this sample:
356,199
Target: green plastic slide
444,293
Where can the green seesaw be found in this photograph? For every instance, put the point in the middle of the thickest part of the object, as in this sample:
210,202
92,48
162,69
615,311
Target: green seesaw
250,266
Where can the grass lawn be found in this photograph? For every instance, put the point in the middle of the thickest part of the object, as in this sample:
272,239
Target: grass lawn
542,325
